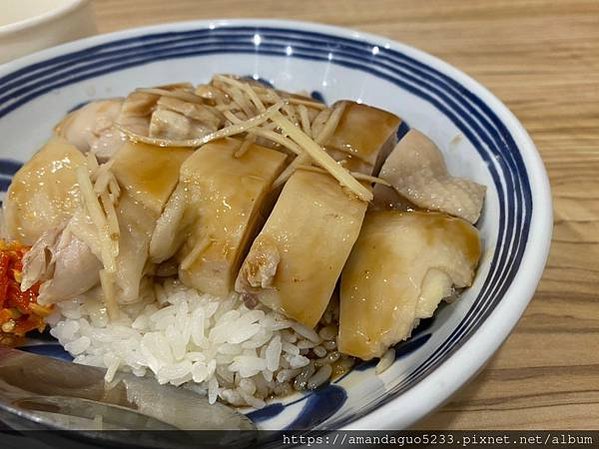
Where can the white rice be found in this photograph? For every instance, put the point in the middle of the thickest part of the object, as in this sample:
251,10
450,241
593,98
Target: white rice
214,345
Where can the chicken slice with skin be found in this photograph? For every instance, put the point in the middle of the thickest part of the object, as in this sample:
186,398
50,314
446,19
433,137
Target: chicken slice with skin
75,270
294,263
44,192
177,119
387,198
169,112
91,128
148,175
416,169
139,106
64,264
361,138
170,231
136,112
68,262
401,267
219,212
364,137
136,224
171,125
37,261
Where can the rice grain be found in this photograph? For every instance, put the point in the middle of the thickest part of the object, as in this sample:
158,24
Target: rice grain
212,345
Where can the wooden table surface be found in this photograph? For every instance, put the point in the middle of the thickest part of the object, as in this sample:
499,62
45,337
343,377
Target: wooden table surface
542,59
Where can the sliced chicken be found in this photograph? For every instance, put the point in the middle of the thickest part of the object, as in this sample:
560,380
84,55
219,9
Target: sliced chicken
224,197
139,106
357,136
401,267
365,133
136,112
64,264
43,194
37,262
417,170
169,233
387,198
208,116
149,173
178,119
76,270
91,126
147,176
136,224
295,261
169,112
167,124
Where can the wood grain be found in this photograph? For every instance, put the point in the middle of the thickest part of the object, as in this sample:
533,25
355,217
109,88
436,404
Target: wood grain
542,59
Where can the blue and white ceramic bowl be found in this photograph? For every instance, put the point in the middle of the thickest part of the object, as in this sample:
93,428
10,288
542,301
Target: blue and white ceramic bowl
481,140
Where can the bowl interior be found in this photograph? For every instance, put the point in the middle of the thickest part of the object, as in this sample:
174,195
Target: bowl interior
477,144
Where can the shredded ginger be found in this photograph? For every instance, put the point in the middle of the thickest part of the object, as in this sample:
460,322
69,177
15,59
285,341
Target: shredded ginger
98,199
286,123
231,130
322,158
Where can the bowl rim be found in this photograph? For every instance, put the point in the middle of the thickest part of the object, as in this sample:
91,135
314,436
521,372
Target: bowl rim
40,19
469,358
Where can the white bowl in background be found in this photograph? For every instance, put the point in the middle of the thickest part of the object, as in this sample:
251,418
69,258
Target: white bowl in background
30,25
